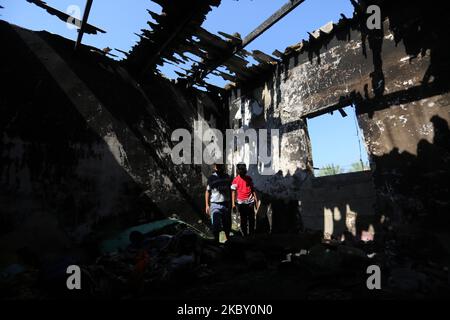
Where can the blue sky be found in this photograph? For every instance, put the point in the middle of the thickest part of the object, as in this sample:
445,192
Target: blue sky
334,138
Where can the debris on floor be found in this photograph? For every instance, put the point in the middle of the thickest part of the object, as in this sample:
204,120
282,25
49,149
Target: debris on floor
161,261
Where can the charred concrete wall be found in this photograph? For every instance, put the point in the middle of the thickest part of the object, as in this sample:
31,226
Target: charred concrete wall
398,79
83,145
410,148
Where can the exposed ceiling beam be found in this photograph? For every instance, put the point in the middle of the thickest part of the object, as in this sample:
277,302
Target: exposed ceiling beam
274,18
277,16
82,29
65,17
263,58
166,43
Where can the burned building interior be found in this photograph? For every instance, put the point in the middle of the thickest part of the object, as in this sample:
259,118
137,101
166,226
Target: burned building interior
85,166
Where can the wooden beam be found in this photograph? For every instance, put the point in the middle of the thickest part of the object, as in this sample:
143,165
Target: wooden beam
211,88
277,53
277,16
87,10
224,75
157,17
192,49
210,38
90,29
241,73
233,38
263,58
168,41
125,53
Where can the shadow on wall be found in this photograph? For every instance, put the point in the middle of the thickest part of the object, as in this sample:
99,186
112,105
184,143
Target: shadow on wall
340,204
428,31
280,211
357,222
421,28
335,205
67,167
58,177
144,123
416,188
410,189
414,185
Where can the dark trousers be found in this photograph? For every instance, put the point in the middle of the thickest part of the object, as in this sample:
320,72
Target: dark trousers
247,213
220,219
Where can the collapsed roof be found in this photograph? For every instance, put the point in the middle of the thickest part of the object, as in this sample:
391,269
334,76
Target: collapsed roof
178,32
175,36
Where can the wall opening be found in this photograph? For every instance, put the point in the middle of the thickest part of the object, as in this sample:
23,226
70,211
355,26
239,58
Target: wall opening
337,143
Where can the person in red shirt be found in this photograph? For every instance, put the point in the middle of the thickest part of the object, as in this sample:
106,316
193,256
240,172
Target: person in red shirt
243,193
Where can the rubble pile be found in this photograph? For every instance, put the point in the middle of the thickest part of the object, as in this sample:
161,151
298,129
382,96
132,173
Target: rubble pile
176,261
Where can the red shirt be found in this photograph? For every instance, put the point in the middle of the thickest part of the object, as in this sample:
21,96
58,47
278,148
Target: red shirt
244,189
